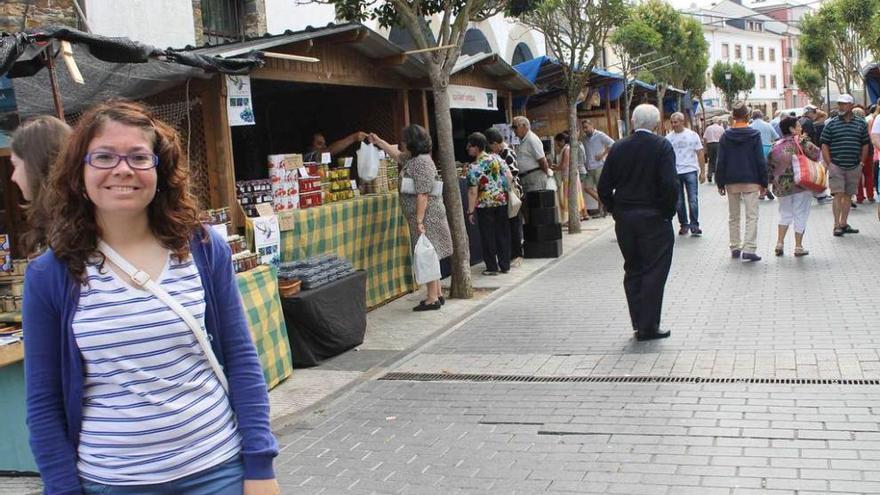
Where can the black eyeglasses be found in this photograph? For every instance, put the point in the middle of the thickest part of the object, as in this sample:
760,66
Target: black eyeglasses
106,160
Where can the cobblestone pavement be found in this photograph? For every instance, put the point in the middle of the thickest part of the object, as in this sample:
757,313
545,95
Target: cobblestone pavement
811,317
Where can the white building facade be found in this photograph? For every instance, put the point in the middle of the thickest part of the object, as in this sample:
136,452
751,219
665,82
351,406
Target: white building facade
178,23
738,35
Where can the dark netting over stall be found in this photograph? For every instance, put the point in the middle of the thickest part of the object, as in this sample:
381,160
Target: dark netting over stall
111,67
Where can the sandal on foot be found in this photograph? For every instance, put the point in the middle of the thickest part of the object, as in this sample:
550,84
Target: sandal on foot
778,250
800,252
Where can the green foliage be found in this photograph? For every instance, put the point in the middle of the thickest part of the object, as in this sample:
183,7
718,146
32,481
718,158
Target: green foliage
810,80
633,38
741,80
838,35
575,32
679,37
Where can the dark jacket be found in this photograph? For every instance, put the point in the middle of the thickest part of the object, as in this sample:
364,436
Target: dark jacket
640,172
741,158
54,369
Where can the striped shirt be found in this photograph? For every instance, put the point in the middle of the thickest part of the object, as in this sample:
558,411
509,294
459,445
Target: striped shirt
845,140
153,410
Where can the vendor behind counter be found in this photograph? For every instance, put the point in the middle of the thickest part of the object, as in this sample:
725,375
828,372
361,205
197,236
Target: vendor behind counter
319,145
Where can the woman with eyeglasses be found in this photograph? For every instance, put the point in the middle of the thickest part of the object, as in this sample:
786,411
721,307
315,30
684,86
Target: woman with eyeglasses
127,392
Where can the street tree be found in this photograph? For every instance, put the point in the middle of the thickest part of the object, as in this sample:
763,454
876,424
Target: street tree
695,53
838,35
811,80
739,81
680,40
440,53
632,42
575,32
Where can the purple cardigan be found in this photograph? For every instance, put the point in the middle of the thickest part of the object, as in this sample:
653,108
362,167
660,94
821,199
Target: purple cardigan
54,369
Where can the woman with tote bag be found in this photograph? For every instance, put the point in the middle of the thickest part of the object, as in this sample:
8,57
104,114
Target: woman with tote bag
423,204
141,373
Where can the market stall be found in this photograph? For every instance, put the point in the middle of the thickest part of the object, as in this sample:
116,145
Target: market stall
548,110
335,81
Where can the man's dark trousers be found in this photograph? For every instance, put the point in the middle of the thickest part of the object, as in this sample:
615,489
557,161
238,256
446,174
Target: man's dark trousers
495,237
712,151
646,239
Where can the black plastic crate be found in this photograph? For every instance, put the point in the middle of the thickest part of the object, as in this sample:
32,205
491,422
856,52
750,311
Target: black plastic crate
545,249
541,199
541,216
541,233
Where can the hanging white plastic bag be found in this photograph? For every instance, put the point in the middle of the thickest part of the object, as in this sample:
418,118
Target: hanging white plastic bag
368,162
426,263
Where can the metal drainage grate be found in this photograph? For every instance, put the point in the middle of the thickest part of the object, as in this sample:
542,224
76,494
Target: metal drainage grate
453,377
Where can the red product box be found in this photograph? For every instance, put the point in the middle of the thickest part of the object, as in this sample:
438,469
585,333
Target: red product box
309,200
309,184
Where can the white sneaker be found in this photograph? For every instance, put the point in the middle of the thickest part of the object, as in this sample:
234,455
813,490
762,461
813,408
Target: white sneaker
516,262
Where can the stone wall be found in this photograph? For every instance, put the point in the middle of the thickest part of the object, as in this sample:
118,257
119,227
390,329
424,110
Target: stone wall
16,15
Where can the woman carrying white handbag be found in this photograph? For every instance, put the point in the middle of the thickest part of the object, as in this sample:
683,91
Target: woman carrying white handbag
423,204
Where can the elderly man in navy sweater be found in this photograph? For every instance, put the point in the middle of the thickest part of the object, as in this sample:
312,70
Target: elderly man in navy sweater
639,186
741,174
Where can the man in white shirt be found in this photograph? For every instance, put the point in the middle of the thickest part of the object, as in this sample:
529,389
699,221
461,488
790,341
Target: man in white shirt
597,144
533,165
689,162
711,136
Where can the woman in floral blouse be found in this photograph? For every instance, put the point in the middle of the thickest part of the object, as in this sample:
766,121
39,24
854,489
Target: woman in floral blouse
794,201
489,180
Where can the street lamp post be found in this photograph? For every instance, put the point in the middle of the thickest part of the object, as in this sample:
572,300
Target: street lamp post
728,76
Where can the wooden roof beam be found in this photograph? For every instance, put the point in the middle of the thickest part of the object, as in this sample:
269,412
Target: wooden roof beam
353,36
392,61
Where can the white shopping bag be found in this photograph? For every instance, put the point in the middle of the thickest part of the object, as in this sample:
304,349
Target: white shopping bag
426,263
368,162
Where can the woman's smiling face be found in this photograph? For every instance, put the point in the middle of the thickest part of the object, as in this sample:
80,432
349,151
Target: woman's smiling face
121,189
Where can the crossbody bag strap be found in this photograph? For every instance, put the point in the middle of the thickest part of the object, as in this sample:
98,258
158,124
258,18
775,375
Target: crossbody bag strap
142,279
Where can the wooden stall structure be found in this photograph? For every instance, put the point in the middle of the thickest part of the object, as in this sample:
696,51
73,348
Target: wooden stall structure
357,80
482,89
548,111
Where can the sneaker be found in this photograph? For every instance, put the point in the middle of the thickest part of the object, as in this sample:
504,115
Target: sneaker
683,230
735,253
770,195
849,230
824,200
696,232
853,204
751,257
516,263
838,232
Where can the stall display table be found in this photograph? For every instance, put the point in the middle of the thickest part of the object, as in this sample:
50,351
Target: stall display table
262,308
326,321
15,452
370,231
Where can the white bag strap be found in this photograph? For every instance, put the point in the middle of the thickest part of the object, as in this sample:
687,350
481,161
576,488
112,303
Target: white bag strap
142,279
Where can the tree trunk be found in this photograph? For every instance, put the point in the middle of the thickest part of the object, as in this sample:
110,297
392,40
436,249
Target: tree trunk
574,214
661,93
461,255
627,100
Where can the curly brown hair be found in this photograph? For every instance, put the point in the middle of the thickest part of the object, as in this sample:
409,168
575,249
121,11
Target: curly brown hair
38,142
173,213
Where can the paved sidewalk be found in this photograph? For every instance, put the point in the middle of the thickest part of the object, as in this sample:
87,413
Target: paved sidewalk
808,318
394,330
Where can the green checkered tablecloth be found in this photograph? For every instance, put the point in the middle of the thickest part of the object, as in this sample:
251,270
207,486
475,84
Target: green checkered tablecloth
369,231
262,307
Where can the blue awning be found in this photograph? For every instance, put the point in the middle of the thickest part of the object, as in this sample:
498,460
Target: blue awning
547,72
